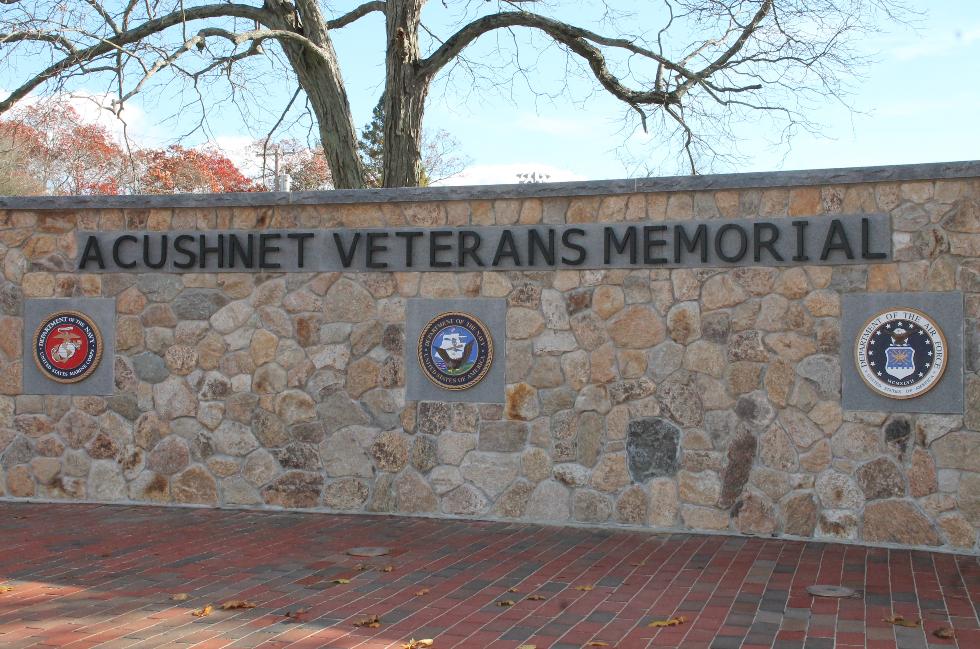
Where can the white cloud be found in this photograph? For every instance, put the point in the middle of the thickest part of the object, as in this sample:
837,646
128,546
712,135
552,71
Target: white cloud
239,149
496,174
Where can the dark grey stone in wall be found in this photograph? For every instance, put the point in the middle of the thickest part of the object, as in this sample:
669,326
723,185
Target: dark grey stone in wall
652,448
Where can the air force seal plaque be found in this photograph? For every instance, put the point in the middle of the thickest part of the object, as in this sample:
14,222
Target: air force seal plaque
455,350
67,346
900,353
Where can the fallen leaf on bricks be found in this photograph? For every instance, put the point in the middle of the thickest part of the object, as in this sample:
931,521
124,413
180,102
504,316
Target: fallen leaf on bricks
341,581
944,632
513,590
297,616
597,643
674,621
535,598
898,620
424,591
642,563
505,602
179,597
387,568
361,567
370,622
6,589
586,587
417,644
233,604
528,646
203,612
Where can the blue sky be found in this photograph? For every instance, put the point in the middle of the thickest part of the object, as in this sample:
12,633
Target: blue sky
919,101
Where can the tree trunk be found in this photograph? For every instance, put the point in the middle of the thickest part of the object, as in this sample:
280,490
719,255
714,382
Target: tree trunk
320,77
405,92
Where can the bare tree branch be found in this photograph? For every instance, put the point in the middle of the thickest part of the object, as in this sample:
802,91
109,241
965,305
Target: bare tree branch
356,13
134,35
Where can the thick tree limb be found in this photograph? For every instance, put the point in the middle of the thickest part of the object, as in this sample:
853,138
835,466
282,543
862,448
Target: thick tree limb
579,41
38,36
356,13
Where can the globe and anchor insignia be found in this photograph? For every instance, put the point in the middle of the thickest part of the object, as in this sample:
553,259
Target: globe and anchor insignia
901,353
455,350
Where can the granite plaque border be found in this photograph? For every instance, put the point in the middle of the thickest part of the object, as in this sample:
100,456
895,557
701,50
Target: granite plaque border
946,308
102,311
493,313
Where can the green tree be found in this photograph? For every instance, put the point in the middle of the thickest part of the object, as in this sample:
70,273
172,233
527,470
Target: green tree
440,152
372,147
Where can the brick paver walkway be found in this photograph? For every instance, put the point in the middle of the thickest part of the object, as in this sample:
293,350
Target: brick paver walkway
102,576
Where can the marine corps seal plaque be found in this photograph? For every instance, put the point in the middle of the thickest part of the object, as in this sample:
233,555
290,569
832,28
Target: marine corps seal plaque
67,346
455,350
900,353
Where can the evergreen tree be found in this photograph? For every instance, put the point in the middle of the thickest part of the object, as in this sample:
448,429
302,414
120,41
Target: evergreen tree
372,146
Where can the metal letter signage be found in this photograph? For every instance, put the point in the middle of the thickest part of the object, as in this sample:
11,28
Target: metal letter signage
455,350
841,239
901,353
67,346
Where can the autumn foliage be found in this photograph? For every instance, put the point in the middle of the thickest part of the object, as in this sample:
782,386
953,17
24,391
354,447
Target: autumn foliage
49,149
177,170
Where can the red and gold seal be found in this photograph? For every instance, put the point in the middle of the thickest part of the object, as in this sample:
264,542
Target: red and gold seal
67,346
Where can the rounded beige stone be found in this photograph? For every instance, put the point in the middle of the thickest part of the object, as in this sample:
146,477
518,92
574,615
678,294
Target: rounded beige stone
637,327
607,301
181,359
362,375
704,518
524,323
721,291
38,284
536,464
129,333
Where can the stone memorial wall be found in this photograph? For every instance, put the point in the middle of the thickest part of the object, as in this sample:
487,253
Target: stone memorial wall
689,354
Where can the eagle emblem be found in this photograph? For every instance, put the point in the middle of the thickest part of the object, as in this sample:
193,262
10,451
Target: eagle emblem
899,357
453,351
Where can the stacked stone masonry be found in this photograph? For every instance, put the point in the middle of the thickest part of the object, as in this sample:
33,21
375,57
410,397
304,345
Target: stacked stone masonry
695,399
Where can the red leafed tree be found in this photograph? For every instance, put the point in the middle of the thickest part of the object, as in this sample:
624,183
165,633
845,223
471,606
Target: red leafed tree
178,170
51,149
48,148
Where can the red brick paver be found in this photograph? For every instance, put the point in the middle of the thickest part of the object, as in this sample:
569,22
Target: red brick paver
101,576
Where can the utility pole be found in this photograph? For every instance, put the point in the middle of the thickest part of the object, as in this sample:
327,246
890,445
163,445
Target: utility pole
281,182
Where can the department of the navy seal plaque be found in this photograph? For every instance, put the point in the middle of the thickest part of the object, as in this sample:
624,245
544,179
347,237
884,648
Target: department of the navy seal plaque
900,353
67,346
455,350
